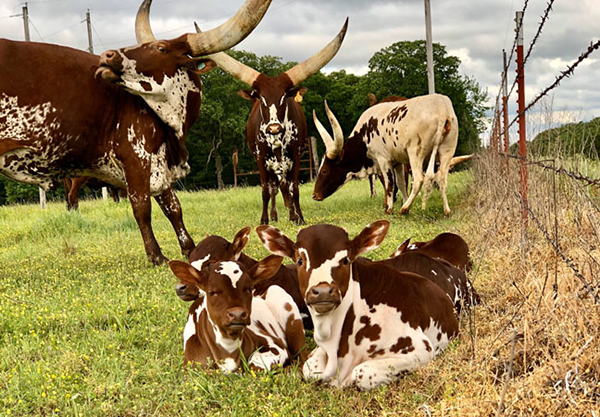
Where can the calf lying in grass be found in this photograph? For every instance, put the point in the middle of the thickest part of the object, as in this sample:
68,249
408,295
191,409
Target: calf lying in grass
228,323
215,248
372,323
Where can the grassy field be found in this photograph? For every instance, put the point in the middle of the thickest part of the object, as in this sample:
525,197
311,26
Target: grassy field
89,327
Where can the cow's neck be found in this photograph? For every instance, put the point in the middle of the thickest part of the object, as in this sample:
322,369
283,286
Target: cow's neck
169,100
224,350
328,328
355,158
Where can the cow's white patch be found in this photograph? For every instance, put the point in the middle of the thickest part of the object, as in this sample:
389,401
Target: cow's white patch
433,272
190,328
231,270
228,365
198,264
323,272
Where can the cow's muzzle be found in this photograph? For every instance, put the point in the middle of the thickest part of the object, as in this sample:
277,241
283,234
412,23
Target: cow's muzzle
274,128
323,298
110,67
317,197
238,318
186,292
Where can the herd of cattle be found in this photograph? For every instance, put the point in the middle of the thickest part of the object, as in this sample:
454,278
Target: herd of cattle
371,320
122,118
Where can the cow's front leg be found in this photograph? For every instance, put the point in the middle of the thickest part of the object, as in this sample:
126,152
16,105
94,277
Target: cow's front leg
138,189
170,206
315,364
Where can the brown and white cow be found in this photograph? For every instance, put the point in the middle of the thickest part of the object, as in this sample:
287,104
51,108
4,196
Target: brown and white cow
214,248
448,246
386,136
276,128
72,187
59,117
372,323
228,324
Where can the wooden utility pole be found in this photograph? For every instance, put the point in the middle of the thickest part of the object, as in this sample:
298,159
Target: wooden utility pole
88,21
505,102
28,39
429,46
521,110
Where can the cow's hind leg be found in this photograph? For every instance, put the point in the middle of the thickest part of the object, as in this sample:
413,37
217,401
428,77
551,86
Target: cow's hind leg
170,206
373,373
273,189
416,166
430,176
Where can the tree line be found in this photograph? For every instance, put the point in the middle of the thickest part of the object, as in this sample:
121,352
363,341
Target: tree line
399,69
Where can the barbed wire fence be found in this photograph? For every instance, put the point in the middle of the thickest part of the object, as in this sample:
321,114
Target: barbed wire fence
555,165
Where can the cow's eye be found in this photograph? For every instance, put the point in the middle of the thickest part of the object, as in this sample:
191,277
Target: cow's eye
299,261
249,290
346,261
213,293
161,48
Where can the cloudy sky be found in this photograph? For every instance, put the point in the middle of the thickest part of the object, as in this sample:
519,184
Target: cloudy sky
475,31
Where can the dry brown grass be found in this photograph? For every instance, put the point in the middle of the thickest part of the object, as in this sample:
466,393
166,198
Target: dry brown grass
530,295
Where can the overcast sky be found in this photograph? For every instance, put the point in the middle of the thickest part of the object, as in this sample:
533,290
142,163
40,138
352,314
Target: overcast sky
475,31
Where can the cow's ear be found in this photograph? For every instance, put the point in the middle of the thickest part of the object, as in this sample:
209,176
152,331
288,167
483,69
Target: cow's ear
188,274
266,268
248,94
297,93
205,65
401,248
370,238
239,242
275,241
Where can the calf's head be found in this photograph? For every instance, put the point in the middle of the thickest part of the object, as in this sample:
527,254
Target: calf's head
324,255
228,287
209,250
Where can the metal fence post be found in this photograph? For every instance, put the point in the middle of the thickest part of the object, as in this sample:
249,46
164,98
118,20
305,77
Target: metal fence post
521,112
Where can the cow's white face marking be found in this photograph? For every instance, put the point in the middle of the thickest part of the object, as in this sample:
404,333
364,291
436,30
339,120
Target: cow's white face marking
323,273
168,99
198,264
231,270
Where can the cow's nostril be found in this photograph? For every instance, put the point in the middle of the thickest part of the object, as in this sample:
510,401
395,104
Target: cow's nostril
314,291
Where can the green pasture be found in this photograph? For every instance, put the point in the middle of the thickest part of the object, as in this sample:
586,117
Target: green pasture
89,327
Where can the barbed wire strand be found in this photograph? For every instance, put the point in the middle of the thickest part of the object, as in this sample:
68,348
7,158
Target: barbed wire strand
557,248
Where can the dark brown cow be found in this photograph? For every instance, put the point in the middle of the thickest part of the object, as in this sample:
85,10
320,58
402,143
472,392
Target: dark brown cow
276,129
452,280
372,323
59,117
215,248
73,186
448,246
228,323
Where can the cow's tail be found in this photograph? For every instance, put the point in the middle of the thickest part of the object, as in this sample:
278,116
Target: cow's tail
459,159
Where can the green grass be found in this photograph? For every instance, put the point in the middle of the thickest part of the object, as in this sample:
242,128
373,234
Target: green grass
89,327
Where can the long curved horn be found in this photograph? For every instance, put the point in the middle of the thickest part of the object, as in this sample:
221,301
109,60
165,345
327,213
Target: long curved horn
228,34
234,67
143,31
333,145
313,64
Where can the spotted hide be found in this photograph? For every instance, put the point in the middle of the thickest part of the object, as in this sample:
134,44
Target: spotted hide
228,321
120,117
448,246
386,136
276,128
215,248
372,323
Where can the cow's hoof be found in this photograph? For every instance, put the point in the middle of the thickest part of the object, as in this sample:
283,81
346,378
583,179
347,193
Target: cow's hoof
299,221
158,260
403,211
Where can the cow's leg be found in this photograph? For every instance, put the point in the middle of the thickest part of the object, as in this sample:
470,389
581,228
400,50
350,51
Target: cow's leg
290,188
429,177
73,196
170,206
389,182
273,190
315,364
442,180
67,186
138,189
401,181
416,166
372,189
373,373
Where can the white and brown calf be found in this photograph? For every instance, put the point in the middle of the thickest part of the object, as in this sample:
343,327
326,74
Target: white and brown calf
372,323
228,321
